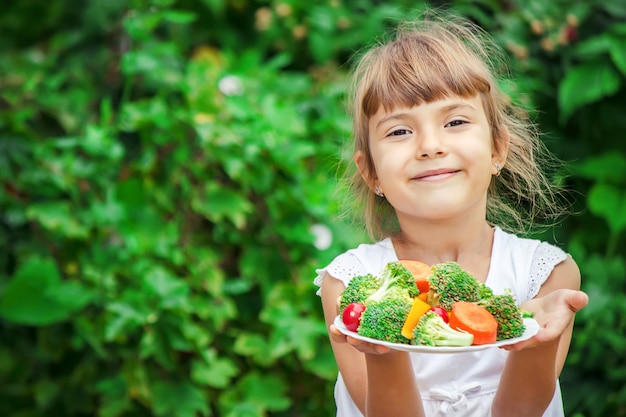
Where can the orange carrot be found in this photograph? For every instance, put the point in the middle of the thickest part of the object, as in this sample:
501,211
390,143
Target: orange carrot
474,319
418,309
420,271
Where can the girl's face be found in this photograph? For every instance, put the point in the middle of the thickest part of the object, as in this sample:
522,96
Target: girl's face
435,160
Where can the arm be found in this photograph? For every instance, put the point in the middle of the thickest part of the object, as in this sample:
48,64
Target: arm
529,377
377,378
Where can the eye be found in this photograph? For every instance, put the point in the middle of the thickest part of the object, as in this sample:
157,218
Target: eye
456,122
400,132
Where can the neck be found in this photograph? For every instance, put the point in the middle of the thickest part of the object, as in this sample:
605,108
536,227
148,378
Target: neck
468,243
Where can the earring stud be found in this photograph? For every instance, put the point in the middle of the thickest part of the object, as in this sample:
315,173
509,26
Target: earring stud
378,192
498,169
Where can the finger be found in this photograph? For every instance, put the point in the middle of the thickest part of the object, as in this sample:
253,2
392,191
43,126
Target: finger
366,347
550,332
336,335
521,345
577,301
381,349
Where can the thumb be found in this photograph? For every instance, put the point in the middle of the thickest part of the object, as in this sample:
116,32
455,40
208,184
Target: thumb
577,300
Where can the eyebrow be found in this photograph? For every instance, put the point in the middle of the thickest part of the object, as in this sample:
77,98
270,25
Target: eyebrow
444,109
455,106
392,116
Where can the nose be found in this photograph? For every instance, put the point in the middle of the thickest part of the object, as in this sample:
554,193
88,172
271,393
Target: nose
429,145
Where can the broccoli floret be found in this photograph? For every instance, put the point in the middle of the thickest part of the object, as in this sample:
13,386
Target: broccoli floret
358,289
450,283
394,278
431,330
508,314
388,299
383,320
485,292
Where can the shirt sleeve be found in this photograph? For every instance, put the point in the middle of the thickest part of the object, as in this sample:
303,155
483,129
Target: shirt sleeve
365,259
545,259
344,267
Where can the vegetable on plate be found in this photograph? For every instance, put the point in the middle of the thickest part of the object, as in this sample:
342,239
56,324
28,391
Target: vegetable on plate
474,319
455,310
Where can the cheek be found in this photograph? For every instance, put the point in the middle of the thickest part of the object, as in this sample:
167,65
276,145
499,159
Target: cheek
379,160
387,164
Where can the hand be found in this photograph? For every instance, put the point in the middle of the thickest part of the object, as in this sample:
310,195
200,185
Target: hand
360,345
554,313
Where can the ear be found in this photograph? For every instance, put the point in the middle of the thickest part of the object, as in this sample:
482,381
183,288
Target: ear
500,148
364,169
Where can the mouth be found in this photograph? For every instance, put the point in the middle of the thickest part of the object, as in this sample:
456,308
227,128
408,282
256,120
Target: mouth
435,174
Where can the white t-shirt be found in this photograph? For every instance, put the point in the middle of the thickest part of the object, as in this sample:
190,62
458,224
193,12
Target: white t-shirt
460,384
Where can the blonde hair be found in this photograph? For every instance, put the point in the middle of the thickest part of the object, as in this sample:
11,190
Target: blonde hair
430,59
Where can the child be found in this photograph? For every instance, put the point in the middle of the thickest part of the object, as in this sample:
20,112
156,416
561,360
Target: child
443,156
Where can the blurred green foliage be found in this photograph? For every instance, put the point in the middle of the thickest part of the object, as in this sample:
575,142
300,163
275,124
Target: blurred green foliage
167,166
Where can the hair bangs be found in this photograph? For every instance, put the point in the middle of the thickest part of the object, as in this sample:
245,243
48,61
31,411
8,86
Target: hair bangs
422,70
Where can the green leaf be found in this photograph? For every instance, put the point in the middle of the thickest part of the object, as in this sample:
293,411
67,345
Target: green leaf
618,54
323,364
254,345
615,8
213,371
244,410
135,62
172,292
182,399
266,390
593,46
37,296
178,16
218,203
91,333
585,84
216,6
608,167
57,216
609,202
124,317
259,392
99,142
115,400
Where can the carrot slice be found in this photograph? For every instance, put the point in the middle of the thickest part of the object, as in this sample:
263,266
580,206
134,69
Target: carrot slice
420,271
418,309
474,319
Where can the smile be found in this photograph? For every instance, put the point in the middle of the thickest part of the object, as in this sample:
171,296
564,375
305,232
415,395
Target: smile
435,174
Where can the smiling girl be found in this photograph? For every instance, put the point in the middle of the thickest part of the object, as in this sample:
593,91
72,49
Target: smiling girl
448,169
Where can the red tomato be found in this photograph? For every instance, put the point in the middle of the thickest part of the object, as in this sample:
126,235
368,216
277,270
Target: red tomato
442,312
351,316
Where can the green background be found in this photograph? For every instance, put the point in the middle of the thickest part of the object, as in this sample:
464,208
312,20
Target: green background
163,163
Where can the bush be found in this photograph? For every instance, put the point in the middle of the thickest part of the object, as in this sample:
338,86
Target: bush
169,172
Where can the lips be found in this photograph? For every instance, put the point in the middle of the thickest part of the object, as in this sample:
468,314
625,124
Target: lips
435,174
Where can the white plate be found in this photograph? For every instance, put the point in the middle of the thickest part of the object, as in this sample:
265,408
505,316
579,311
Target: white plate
532,327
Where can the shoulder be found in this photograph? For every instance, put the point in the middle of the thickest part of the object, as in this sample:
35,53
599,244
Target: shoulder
513,243
509,244
525,264
566,275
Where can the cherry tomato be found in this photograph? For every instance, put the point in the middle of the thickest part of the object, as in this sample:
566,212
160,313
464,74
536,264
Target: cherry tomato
442,312
351,316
